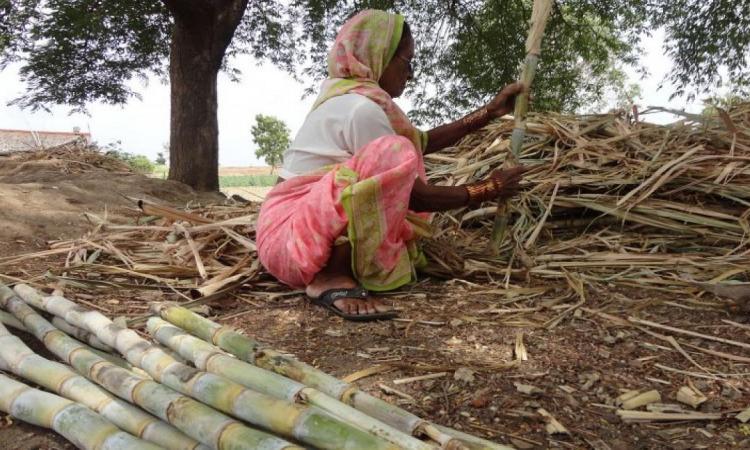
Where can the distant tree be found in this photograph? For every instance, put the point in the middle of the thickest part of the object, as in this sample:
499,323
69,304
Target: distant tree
715,103
709,43
138,163
271,135
629,96
160,159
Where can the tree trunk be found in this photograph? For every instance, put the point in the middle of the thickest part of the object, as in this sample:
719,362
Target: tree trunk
202,31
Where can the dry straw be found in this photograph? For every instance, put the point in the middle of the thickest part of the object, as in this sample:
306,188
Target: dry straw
613,199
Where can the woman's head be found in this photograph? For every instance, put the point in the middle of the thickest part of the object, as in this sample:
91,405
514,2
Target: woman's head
373,46
399,69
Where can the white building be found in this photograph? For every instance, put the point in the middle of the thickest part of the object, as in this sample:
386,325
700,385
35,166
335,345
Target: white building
25,140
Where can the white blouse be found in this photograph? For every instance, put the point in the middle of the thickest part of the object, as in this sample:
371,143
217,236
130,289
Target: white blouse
333,132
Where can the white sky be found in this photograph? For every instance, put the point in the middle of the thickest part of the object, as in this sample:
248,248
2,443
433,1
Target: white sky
143,125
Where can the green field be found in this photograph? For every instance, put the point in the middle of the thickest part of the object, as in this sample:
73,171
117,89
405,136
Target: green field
160,171
225,181
247,180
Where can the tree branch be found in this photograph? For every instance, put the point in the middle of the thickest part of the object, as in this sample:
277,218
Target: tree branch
230,14
185,11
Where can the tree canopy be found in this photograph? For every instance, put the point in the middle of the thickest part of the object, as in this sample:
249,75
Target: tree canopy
271,135
77,51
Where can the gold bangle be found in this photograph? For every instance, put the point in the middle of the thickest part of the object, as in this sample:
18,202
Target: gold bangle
484,190
479,192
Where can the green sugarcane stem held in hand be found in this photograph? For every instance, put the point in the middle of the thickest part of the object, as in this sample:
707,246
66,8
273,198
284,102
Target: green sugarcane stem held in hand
539,16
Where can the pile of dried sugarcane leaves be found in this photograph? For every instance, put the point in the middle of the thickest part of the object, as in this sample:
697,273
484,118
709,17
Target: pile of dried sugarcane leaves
609,199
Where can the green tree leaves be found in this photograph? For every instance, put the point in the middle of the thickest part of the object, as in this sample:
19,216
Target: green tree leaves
271,135
77,51
709,42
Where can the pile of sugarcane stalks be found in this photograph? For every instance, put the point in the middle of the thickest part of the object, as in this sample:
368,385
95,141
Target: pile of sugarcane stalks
208,387
612,199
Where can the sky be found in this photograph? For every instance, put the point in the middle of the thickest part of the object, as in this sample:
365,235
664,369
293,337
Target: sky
142,126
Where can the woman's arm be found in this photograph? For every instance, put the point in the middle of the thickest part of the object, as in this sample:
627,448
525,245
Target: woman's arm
448,134
500,184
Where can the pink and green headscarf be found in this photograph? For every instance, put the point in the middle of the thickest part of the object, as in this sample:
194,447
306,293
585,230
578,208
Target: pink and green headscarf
363,48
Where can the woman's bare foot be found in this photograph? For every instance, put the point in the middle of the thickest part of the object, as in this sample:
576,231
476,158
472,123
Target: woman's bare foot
338,274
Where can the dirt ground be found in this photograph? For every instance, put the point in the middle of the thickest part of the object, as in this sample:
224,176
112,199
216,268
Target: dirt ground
252,193
462,334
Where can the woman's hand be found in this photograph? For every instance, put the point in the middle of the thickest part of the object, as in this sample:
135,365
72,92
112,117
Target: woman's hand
507,180
505,101
501,184
448,134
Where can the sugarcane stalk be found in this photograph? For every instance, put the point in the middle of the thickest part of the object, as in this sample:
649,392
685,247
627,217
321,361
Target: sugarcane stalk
195,419
81,335
539,15
19,359
96,344
10,321
473,442
78,424
211,359
255,353
306,424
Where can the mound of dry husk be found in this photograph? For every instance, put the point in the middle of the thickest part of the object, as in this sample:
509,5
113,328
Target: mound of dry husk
607,200
74,157
613,199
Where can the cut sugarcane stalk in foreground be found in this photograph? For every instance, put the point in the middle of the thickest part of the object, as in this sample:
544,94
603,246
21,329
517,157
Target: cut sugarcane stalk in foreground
253,352
306,424
9,321
19,359
212,359
80,334
539,15
195,419
78,424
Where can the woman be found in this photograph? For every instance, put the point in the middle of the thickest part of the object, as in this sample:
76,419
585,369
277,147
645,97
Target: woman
345,218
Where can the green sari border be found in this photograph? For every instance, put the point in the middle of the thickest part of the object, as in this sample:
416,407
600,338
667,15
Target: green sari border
346,202
398,30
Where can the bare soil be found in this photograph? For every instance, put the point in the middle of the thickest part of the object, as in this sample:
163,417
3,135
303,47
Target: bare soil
462,329
47,198
251,193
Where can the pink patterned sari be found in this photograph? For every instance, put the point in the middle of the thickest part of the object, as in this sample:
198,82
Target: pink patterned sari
364,199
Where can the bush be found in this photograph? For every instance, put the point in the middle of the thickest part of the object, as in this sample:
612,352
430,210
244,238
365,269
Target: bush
141,164
138,163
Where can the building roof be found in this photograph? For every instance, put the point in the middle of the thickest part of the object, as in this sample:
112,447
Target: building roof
26,140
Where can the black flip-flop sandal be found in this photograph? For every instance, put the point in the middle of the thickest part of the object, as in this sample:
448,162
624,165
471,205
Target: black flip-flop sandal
327,298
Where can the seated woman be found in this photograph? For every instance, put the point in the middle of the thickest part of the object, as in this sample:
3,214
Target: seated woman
351,205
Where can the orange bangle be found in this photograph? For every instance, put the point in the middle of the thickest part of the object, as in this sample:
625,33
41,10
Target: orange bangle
483,191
